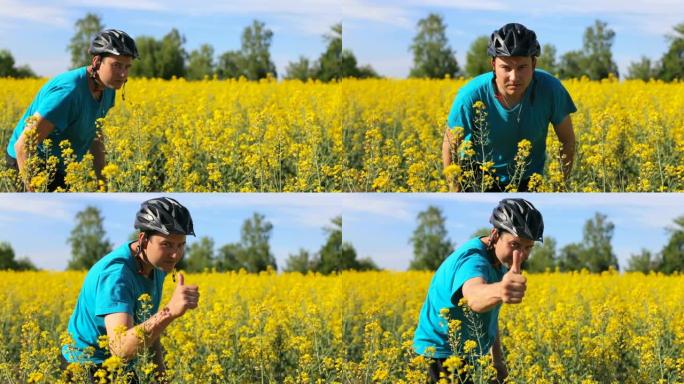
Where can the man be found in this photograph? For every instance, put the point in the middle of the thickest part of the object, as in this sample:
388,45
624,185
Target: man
67,107
476,272
520,101
109,303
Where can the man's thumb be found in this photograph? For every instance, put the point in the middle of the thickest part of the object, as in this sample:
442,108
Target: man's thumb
516,267
181,280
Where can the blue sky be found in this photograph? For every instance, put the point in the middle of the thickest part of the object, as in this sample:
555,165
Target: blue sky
380,32
37,225
37,32
380,225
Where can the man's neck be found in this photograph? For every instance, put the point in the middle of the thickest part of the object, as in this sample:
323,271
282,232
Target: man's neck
506,100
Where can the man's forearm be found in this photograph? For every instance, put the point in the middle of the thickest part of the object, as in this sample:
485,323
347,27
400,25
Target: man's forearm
568,156
497,353
484,297
145,334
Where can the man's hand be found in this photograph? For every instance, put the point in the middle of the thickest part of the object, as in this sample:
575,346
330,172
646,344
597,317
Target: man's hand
184,297
501,373
513,284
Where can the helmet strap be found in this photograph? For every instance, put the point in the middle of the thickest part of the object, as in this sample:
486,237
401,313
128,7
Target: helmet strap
94,76
140,255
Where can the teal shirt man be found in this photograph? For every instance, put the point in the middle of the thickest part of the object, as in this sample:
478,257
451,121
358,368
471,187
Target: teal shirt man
431,336
67,102
544,101
112,285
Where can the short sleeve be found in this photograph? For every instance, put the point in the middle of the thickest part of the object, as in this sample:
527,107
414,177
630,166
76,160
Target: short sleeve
562,102
114,294
56,107
461,113
473,266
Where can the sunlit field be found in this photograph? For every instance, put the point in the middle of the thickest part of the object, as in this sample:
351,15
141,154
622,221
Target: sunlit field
358,328
357,135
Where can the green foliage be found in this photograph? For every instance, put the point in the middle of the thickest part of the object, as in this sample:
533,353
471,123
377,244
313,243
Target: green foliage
432,55
643,70
8,261
253,60
430,242
301,262
643,262
672,62
8,69
86,29
87,239
200,255
336,255
201,63
477,60
595,60
673,252
542,257
163,58
595,252
300,70
547,59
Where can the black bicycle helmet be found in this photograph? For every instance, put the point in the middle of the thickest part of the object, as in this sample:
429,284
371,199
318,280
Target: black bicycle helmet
113,42
513,39
520,218
164,215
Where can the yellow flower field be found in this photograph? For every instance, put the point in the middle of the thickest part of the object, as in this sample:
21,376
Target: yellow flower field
357,328
357,135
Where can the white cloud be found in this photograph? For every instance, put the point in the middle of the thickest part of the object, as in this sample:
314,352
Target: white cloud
33,11
34,205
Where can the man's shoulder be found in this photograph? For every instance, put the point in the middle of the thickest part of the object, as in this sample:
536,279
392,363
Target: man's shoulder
67,83
547,80
117,261
477,85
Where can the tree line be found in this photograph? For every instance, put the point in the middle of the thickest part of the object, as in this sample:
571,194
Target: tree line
252,253
431,245
434,58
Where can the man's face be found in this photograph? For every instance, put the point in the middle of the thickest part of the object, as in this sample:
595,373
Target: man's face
113,70
513,74
507,244
164,251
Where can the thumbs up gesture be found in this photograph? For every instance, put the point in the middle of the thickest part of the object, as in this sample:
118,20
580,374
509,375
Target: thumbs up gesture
184,297
513,284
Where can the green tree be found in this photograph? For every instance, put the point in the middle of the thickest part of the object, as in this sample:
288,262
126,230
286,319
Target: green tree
477,60
228,258
570,257
301,262
146,64
643,262
255,255
336,255
87,239
672,62
482,232
598,41
430,242
643,70
201,62
597,255
229,65
673,252
8,69
86,29
7,260
571,65
170,59
200,255
299,70
256,44
336,62
432,55
547,59
543,256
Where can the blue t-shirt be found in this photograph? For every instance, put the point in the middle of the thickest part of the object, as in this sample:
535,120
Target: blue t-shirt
113,285
67,103
545,101
470,260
